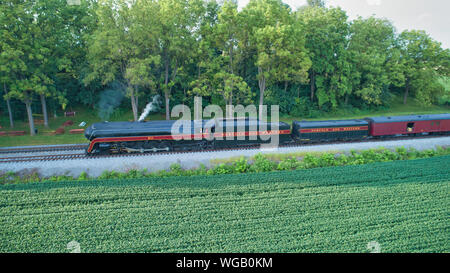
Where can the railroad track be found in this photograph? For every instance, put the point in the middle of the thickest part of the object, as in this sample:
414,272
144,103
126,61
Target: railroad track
54,157
54,148
40,158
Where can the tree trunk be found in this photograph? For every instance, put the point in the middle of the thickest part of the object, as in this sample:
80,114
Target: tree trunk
312,84
285,86
346,99
134,107
133,104
30,117
405,98
262,88
166,96
136,99
44,110
11,120
166,87
229,107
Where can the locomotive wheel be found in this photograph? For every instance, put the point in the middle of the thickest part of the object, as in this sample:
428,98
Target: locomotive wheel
98,151
146,147
205,145
165,145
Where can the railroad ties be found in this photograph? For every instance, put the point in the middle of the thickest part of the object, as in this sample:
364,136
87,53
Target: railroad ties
80,156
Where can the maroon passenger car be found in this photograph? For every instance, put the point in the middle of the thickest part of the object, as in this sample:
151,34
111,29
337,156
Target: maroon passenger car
407,125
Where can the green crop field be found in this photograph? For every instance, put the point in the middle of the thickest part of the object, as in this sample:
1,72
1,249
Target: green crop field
402,205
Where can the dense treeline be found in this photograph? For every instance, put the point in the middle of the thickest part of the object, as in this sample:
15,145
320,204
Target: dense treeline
67,52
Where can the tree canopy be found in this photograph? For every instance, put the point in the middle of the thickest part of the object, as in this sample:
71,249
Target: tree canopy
55,54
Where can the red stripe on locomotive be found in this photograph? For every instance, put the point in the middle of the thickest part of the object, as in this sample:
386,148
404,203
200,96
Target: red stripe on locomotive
179,137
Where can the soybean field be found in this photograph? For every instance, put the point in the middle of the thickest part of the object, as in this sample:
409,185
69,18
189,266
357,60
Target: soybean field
400,206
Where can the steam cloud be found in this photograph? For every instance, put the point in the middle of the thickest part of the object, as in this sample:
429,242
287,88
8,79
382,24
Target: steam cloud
110,99
150,107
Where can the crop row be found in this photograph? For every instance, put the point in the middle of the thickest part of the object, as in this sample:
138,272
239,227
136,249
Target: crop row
402,205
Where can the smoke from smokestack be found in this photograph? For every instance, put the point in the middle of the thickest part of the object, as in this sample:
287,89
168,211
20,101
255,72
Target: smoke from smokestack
150,107
110,99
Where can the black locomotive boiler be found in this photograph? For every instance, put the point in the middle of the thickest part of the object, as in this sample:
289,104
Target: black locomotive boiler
155,136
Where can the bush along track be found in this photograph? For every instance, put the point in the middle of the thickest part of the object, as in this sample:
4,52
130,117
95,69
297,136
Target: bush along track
402,206
259,163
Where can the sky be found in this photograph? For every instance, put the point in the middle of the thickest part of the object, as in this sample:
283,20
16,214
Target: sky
431,15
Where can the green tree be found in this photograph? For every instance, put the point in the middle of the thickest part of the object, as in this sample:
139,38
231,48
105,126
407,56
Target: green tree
79,23
58,25
206,51
316,3
10,56
25,52
124,47
267,23
8,105
178,21
326,32
37,47
423,61
444,98
371,50
221,74
9,60
292,58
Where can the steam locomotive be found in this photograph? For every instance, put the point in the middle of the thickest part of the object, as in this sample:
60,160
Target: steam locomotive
157,136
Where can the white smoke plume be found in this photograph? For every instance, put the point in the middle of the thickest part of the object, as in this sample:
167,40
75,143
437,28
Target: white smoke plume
151,106
110,100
